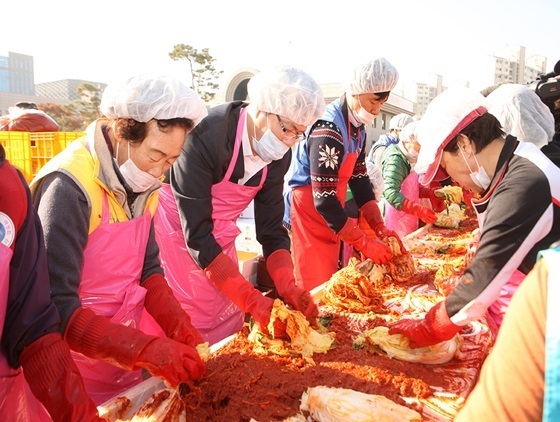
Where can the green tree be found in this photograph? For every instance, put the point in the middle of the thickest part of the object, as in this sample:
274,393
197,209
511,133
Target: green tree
77,115
88,104
65,115
202,71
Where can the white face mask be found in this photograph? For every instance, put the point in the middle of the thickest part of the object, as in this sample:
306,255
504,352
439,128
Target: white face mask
480,178
363,115
413,155
410,154
270,148
138,180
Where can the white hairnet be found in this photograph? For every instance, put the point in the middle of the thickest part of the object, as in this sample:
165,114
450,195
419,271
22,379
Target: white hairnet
400,121
146,97
377,75
289,92
522,113
408,133
446,116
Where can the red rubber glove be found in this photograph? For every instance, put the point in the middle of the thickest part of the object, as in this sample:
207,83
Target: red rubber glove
128,348
224,273
281,269
55,380
423,213
468,195
438,204
377,251
434,328
166,310
370,212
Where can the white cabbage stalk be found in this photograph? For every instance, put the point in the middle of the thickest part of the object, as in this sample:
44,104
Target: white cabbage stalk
397,346
203,350
164,405
326,404
450,217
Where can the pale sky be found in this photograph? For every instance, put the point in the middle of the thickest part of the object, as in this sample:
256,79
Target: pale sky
105,40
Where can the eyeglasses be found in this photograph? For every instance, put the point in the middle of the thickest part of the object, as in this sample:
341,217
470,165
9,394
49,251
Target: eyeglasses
290,133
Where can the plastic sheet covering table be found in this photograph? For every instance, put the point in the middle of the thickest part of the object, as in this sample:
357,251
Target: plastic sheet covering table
242,385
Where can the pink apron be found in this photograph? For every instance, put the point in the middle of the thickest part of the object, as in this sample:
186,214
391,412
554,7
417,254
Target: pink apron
399,221
110,287
211,312
498,309
17,402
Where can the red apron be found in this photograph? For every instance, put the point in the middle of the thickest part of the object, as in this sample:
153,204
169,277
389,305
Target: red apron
110,287
211,311
17,402
399,221
316,246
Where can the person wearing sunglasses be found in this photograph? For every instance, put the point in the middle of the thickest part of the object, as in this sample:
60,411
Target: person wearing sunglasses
237,154
330,160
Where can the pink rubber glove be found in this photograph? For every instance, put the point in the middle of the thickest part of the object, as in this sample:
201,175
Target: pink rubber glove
224,273
96,337
281,269
166,310
434,328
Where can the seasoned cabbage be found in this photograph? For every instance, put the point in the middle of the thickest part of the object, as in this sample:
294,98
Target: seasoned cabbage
397,346
326,404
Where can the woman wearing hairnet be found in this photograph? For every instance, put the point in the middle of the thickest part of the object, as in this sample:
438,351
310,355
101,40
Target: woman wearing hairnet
324,165
396,125
522,114
518,210
96,200
239,153
401,186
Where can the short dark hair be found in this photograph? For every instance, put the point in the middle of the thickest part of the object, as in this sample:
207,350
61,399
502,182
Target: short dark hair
135,132
481,131
383,95
27,105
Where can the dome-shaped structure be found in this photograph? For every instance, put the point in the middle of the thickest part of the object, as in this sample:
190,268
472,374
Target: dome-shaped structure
236,87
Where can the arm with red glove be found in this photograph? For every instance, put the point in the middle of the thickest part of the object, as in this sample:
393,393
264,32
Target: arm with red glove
96,337
425,214
161,303
55,380
224,273
438,204
370,213
434,328
374,249
281,269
